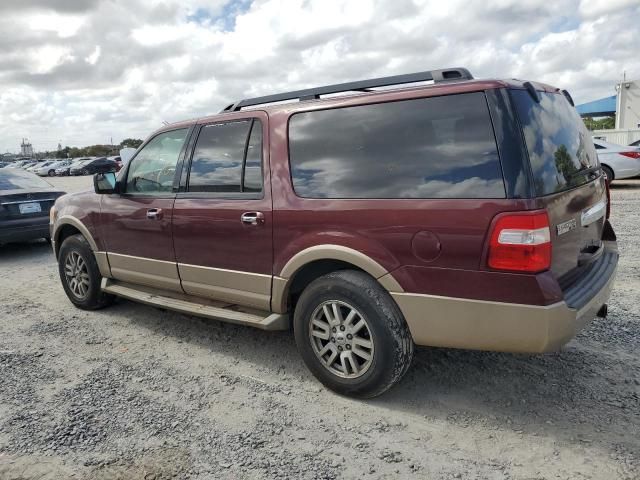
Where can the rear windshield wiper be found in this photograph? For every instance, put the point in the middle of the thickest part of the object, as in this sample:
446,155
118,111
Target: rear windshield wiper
586,171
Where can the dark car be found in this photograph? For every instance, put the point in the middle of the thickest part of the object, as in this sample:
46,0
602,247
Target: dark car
463,214
96,165
63,171
25,201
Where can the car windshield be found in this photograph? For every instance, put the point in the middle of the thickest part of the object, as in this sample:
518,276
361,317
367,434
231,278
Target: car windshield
20,180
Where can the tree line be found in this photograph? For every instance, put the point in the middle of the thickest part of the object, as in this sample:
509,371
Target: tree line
93,150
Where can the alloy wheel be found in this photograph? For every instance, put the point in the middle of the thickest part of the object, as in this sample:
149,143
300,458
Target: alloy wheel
341,339
77,275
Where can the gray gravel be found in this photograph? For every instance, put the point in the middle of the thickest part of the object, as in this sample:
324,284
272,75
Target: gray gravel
133,392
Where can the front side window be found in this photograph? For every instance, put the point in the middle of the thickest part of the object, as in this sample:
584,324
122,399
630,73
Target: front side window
227,158
439,147
153,169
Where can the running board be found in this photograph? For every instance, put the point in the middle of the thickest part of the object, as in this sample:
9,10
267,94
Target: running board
200,307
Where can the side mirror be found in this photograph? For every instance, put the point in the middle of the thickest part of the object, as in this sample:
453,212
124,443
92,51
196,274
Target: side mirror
104,183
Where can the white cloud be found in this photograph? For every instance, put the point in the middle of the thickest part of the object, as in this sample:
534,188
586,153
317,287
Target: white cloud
84,72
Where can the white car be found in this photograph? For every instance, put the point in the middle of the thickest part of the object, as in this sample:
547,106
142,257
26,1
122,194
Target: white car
617,161
49,169
39,165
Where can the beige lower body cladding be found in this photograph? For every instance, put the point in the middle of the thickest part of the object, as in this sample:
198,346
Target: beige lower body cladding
483,325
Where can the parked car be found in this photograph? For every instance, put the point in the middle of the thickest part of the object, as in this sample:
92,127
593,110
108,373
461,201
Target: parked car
49,170
25,201
27,164
118,162
463,214
618,162
96,165
64,171
39,165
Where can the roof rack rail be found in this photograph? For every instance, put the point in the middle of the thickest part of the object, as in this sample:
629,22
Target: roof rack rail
438,76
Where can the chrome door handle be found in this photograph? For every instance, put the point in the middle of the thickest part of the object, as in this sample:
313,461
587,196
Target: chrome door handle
252,218
154,213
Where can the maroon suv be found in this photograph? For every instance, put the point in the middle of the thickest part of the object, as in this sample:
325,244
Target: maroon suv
368,216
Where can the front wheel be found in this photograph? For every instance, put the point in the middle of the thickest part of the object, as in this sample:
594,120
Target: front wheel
608,173
351,334
51,173
80,275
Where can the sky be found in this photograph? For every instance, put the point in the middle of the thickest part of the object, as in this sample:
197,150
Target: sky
81,72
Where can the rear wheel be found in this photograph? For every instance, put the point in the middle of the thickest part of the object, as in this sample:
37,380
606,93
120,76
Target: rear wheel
351,334
80,275
608,173
51,173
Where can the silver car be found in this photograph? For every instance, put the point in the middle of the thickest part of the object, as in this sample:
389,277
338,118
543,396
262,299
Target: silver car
49,169
618,161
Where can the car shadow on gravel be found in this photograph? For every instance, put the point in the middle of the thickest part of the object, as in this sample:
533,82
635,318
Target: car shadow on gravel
625,185
271,350
576,395
25,250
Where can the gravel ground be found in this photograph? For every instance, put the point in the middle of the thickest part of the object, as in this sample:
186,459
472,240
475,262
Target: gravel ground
133,392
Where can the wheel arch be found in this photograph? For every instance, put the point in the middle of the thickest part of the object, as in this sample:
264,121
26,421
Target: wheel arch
604,164
313,262
67,226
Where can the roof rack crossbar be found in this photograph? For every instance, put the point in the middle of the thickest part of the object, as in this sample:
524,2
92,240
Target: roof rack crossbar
437,76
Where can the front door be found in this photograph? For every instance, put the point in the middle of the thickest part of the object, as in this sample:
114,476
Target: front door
222,218
137,222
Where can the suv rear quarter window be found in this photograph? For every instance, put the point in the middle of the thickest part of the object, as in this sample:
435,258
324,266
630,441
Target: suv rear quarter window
439,147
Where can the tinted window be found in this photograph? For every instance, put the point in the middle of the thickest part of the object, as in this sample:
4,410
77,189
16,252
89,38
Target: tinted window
219,154
560,146
217,159
440,147
153,168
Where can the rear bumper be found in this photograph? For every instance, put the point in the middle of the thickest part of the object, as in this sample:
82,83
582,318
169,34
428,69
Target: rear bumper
508,327
24,229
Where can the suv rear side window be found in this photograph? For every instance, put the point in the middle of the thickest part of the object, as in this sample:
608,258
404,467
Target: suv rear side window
228,158
440,147
560,147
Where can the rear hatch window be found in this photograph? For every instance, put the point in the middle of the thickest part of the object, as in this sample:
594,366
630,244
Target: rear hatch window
567,180
560,148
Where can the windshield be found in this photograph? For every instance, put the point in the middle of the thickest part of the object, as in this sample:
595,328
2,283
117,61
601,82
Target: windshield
12,179
560,147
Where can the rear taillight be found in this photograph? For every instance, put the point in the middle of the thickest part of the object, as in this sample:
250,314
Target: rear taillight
631,154
521,242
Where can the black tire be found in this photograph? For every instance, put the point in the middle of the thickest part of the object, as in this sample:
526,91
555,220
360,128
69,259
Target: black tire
93,298
392,342
51,173
608,173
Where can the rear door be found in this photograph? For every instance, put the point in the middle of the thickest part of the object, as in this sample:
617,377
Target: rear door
222,218
566,178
